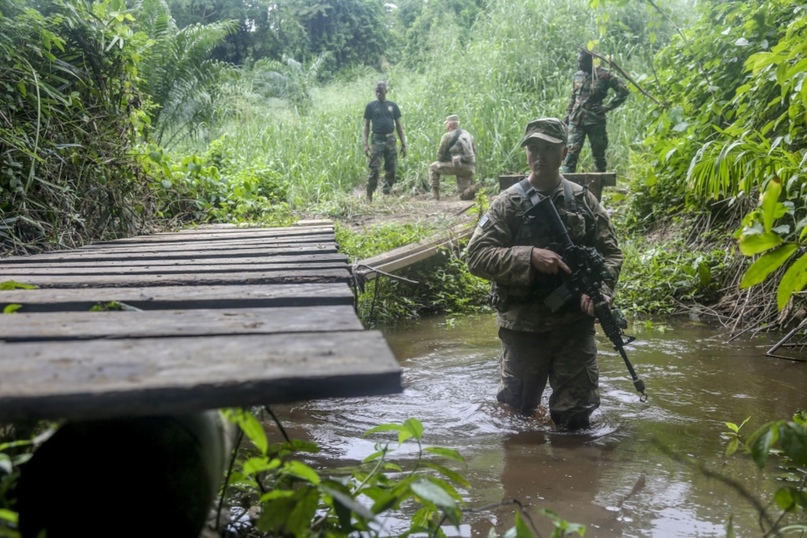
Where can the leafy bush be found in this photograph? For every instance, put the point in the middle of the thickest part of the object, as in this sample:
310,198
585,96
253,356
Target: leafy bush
781,446
69,122
659,277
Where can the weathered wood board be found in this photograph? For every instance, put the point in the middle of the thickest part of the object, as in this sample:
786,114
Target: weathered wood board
147,376
298,235
408,255
17,272
178,297
262,277
305,258
26,327
212,318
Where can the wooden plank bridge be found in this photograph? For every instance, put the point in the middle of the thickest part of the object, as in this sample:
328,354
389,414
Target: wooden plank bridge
184,322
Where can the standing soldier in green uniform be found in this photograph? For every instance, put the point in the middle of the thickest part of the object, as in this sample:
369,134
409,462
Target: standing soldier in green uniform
585,115
456,156
385,117
540,343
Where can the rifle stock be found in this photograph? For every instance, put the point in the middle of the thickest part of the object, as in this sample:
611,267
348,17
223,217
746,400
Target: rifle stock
588,273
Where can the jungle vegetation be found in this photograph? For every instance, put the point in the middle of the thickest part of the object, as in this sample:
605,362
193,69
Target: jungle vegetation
117,118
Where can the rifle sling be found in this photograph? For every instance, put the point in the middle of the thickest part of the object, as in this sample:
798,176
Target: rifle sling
454,138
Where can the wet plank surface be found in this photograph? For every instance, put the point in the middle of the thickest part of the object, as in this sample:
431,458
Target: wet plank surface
185,322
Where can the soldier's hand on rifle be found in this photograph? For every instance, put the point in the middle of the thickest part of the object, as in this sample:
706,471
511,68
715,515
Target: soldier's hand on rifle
587,305
547,261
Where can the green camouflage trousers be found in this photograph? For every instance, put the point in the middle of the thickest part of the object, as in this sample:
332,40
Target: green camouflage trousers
464,173
382,147
566,357
597,139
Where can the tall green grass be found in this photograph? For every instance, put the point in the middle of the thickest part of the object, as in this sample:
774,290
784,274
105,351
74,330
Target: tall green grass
516,66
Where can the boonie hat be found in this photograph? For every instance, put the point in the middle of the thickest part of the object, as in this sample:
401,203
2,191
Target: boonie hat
452,117
549,129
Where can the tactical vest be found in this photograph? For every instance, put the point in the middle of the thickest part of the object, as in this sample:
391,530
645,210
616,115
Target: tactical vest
579,220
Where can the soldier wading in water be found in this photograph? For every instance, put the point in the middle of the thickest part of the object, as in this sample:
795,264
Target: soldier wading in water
523,261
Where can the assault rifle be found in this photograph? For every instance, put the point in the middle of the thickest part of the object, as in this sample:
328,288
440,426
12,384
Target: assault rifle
588,273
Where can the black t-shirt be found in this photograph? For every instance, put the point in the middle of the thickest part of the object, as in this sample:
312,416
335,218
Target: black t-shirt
383,115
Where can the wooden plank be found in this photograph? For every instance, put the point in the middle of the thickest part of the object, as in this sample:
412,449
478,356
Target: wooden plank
407,255
150,324
161,246
17,272
107,378
306,258
207,279
172,254
324,226
174,297
260,234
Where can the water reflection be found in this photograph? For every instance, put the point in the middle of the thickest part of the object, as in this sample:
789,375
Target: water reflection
616,478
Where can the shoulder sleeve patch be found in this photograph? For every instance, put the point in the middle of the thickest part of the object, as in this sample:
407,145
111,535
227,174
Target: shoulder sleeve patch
484,222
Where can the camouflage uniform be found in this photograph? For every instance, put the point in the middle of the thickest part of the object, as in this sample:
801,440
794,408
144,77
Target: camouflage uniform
464,148
383,116
382,146
539,345
586,115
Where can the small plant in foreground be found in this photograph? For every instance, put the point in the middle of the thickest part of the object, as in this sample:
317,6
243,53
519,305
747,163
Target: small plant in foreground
293,499
786,440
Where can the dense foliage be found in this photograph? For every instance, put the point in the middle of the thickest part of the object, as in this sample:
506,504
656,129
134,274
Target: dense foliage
69,122
733,125
113,117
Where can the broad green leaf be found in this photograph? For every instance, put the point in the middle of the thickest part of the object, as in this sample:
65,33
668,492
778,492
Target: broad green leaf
767,264
522,530
732,426
433,493
784,499
732,447
756,243
384,428
251,427
414,427
446,453
259,465
794,280
277,494
301,470
305,507
448,473
342,497
275,514
770,202
793,440
11,308
761,448
9,515
5,463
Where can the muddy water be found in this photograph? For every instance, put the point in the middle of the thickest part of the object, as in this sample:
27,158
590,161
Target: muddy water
619,478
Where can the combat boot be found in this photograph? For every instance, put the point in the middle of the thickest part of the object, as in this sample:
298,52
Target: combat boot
470,192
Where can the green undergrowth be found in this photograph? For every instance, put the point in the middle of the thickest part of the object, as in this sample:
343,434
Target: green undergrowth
667,276
441,285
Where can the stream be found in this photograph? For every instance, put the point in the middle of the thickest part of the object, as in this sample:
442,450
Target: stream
626,476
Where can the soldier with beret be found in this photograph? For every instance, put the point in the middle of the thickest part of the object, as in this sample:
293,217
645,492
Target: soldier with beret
542,341
456,156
